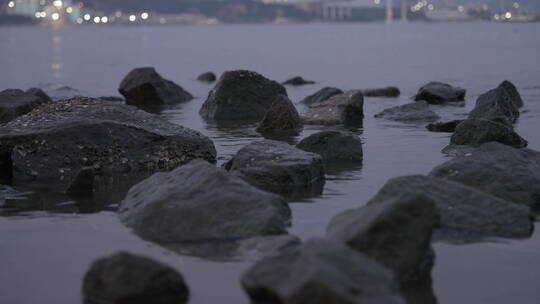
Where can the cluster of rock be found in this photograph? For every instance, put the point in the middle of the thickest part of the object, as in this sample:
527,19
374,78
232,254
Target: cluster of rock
14,103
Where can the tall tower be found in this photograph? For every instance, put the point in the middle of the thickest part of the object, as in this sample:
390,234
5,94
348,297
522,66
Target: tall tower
389,11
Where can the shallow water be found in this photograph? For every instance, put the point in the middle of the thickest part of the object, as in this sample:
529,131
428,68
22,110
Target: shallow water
44,254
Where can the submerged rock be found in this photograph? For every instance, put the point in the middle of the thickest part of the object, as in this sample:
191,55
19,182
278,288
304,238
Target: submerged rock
411,112
333,146
39,93
144,86
14,103
446,126
207,77
440,93
321,95
512,92
127,278
241,95
298,81
199,203
51,144
281,119
279,167
383,92
320,272
478,131
495,104
346,108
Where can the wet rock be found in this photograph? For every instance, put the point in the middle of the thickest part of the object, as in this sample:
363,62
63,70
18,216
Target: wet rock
127,278
513,92
198,203
207,77
83,184
111,98
297,81
496,105
241,95
279,167
281,119
466,213
383,92
333,146
39,93
508,173
346,108
478,131
14,103
440,93
410,113
145,86
52,143
321,95
446,126
320,272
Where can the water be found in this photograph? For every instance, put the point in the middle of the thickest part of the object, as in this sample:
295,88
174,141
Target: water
44,254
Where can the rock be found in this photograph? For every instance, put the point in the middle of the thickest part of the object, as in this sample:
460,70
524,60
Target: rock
127,278
241,95
333,146
281,119
111,98
513,92
508,173
14,103
279,167
298,81
39,93
207,77
321,95
144,86
51,144
83,184
446,126
383,92
320,272
495,105
199,203
478,131
410,113
346,108
440,93
466,213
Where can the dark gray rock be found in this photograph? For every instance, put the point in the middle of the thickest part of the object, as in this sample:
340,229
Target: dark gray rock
440,93
346,108
279,167
198,203
241,95
508,173
446,126
144,86
495,104
52,143
207,77
14,103
281,119
383,92
83,184
320,272
127,278
321,95
39,93
297,81
466,213
333,146
111,98
478,131
409,113
513,92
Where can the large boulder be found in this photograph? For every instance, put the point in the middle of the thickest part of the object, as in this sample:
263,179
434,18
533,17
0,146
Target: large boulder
298,81
513,92
281,119
320,272
478,131
144,86
241,95
321,95
466,213
410,113
127,278
508,173
51,144
39,93
346,108
382,92
198,203
495,104
14,103
279,167
207,77
445,126
333,146
440,93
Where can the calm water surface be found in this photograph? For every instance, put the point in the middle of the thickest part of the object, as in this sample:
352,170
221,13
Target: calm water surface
44,254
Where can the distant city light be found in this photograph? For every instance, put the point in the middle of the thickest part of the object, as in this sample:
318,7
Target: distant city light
162,20
104,19
38,14
132,18
97,19
69,10
144,16
508,15
87,17
461,8
496,17
43,14
58,3
431,7
118,14
55,16
377,1
516,5
11,4
79,20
